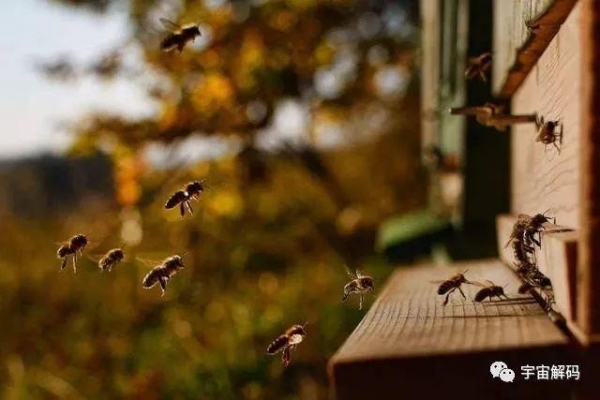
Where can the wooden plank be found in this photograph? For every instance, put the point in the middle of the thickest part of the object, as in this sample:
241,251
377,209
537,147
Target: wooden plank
588,270
557,259
517,48
408,333
541,177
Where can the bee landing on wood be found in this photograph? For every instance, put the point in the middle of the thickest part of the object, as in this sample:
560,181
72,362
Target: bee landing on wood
179,36
478,66
549,133
111,259
447,287
361,285
162,273
183,197
286,342
72,247
490,291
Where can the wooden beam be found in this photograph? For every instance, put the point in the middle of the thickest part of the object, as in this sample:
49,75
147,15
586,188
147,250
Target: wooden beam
410,343
527,44
588,271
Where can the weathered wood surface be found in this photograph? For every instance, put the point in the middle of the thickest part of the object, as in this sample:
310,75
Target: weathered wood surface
557,259
408,330
588,269
542,178
517,48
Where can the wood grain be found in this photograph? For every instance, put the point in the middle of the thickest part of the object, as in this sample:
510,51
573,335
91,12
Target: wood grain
542,178
408,327
516,48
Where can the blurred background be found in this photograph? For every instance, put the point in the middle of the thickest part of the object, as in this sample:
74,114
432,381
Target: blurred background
303,117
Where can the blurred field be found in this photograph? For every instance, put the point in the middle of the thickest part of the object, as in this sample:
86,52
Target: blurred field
307,115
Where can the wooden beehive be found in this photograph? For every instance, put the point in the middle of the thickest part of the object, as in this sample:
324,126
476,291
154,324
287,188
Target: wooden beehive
546,62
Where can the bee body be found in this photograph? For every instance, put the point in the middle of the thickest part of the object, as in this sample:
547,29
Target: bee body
286,342
361,285
549,133
179,37
162,273
478,66
490,291
184,196
74,246
448,286
111,259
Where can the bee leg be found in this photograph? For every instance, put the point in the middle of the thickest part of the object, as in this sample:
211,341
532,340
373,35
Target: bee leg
461,292
163,285
63,264
189,207
448,296
555,145
345,297
482,75
286,357
360,304
74,261
181,210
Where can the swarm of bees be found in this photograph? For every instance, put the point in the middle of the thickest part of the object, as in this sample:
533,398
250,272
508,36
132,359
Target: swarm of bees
179,36
524,241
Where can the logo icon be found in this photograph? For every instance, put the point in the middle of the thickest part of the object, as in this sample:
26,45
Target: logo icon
497,367
507,375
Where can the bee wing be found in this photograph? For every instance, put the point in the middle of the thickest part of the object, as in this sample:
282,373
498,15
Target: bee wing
480,284
350,273
94,257
148,262
438,281
170,25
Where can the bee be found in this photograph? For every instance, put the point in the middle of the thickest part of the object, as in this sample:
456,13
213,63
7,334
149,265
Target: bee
286,342
72,247
360,284
535,226
490,291
450,285
478,66
548,133
525,287
183,197
111,259
163,272
179,36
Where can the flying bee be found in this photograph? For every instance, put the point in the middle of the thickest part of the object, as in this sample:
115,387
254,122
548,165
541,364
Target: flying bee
111,259
163,272
179,36
450,285
286,342
72,247
549,133
183,197
478,66
361,284
490,291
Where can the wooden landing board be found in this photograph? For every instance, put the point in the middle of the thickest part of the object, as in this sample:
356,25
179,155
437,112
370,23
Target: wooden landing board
410,343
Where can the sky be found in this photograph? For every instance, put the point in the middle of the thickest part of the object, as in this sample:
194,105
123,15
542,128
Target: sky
33,108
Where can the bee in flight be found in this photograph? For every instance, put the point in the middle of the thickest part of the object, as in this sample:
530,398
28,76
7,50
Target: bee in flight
72,247
179,36
111,259
361,284
163,272
490,290
184,196
450,285
478,66
286,342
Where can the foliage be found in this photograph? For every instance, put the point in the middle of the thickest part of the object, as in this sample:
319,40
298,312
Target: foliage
271,236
